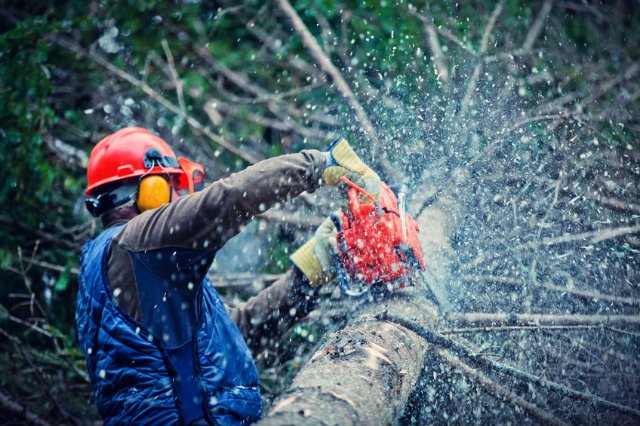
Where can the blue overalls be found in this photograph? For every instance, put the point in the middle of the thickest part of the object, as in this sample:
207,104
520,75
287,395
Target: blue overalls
187,363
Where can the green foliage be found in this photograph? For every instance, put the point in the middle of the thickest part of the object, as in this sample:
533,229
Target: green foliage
278,257
38,189
4,313
63,280
24,112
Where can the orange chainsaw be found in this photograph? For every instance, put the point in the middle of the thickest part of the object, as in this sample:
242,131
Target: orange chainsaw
378,246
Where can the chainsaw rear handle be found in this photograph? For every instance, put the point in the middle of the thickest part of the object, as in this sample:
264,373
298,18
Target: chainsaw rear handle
354,199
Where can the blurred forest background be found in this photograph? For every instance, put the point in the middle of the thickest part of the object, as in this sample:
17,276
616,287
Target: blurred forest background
526,114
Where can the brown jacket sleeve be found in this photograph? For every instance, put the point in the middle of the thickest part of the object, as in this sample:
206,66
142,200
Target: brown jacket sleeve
207,219
272,311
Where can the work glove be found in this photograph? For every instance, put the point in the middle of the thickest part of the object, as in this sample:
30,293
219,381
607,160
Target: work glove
316,257
343,161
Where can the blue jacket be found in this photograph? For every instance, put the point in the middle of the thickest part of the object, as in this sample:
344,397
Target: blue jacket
143,377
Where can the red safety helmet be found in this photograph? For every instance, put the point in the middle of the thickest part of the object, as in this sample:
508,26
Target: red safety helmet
129,153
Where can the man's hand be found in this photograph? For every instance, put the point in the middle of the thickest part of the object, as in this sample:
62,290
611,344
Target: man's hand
317,256
343,161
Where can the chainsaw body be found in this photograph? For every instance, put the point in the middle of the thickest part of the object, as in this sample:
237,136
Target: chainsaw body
377,243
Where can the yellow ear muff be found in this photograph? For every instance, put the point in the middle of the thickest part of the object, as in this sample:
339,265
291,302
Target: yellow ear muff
153,192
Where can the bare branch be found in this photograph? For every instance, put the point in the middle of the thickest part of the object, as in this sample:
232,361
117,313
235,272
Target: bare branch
511,55
174,75
484,46
38,375
592,237
439,61
486,153
512,328
295,62
195,124
449,35
593,93
51,266
11,407
482,362
537,26
40,234
534,119
327,66
238,79
212,105
591,295
583,8
542,319
66,152
499,390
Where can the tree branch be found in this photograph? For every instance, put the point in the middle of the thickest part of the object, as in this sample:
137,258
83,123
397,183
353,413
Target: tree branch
12,407
174,76
537,26
212,105
512,328
592,237
499,390
503,318
327,66
439,61
591,295
484,46
195,124
482,362
449,35
593,93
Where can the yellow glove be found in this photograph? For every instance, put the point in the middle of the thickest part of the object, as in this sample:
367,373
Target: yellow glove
343,161
316,257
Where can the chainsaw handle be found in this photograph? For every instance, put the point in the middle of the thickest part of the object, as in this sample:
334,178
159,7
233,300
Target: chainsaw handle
354,200
358,188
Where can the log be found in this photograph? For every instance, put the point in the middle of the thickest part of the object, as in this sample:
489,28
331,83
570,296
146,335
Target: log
365,372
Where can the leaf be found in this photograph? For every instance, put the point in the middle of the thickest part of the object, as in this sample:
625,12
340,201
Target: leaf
4,313
63,281
5,259
55,331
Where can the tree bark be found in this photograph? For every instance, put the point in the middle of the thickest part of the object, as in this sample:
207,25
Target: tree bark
363,373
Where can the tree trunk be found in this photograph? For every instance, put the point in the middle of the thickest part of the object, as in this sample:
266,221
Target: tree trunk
365,372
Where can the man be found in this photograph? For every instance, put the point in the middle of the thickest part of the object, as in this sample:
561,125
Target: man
159,345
